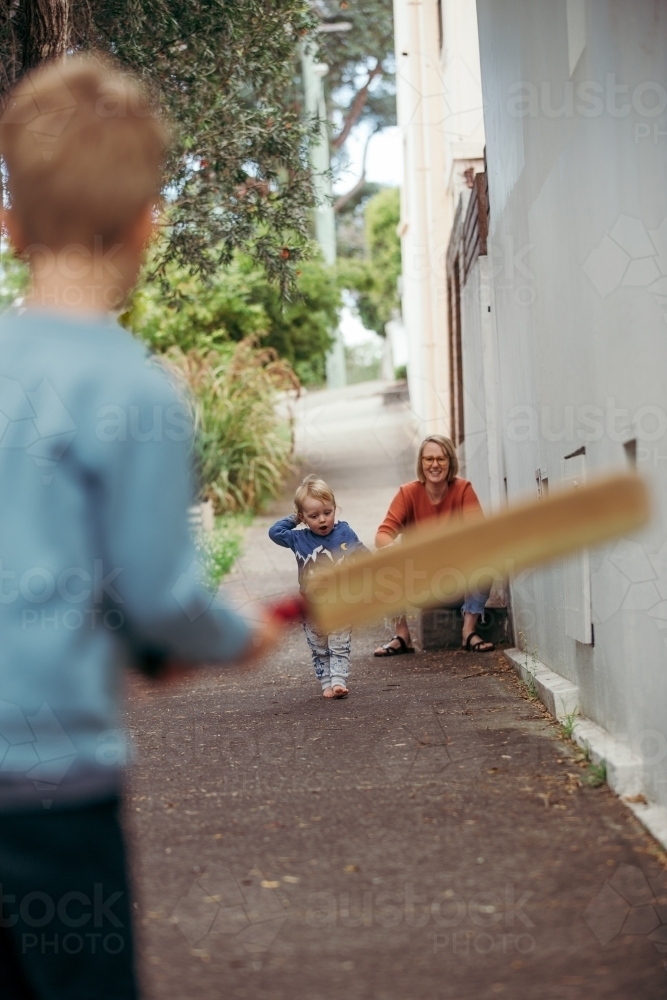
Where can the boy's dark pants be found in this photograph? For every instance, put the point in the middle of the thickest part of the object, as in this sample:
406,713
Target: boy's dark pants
65,920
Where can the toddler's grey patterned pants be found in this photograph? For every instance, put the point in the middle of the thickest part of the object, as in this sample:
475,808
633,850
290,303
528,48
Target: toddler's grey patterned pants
331,655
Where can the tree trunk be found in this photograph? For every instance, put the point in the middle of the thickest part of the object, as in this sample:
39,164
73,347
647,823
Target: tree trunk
47,28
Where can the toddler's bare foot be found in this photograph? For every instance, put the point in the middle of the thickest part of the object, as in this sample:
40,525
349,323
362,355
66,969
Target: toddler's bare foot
338,691
328,693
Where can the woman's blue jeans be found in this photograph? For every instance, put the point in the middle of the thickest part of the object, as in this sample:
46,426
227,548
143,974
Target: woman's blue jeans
474,604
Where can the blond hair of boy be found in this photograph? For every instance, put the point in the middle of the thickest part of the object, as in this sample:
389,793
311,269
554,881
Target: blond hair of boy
316,489
84,152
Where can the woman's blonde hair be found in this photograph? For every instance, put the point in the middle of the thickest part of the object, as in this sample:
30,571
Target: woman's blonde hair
312,486
447,446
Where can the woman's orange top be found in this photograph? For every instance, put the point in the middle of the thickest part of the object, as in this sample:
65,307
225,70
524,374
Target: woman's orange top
411,505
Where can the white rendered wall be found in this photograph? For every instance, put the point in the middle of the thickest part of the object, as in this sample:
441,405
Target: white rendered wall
480,452
419,107
464,122
439,113
576,125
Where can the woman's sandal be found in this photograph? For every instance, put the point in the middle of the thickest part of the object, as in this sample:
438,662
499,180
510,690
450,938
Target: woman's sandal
392,650
477,646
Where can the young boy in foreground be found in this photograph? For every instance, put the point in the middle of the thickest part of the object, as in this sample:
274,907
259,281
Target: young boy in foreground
97,568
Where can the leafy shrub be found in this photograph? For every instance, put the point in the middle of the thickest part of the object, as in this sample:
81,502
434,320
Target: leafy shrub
238,302
242,446
217,550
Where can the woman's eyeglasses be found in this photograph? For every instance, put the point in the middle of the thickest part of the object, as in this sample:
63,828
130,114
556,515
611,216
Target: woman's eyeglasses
436,461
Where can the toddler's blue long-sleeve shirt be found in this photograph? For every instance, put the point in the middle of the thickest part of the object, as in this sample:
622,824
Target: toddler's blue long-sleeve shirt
310,548
97,567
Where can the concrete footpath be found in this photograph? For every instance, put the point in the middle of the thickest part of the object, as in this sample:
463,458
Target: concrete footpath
433,836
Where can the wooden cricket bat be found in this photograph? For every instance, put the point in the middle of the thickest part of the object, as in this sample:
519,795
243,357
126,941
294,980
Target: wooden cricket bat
438,562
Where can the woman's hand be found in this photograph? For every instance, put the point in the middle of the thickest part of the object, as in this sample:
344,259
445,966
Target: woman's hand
382,539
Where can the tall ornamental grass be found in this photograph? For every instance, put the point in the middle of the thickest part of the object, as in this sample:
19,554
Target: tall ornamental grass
242,444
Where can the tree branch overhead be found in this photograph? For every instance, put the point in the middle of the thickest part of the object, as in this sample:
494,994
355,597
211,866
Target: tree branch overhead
356,107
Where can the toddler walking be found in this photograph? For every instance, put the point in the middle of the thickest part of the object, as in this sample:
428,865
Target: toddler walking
314,536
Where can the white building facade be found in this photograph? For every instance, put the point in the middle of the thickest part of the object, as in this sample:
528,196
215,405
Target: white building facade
538,334
439,106
575,98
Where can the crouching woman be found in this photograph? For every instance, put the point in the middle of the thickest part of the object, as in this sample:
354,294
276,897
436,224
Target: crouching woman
437,493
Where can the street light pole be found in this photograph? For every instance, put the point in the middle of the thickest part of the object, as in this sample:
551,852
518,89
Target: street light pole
325,219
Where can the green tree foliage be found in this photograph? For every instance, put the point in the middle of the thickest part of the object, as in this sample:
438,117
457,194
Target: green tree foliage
373,278
224,75
302,330
13,280
238,302
383,214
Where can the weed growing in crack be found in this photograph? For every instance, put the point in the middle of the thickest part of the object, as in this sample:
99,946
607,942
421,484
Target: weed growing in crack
567,725
529,686
596,774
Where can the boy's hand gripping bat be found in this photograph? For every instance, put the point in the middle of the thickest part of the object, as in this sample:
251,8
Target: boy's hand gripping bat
441,561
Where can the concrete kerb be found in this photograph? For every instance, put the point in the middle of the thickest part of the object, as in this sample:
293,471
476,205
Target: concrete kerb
624,769
559,695
653,817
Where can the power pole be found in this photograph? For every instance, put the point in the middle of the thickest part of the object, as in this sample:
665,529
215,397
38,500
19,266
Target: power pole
325,221
325,218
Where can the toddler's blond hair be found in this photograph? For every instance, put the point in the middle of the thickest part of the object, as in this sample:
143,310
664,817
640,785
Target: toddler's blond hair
312,486
84,153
